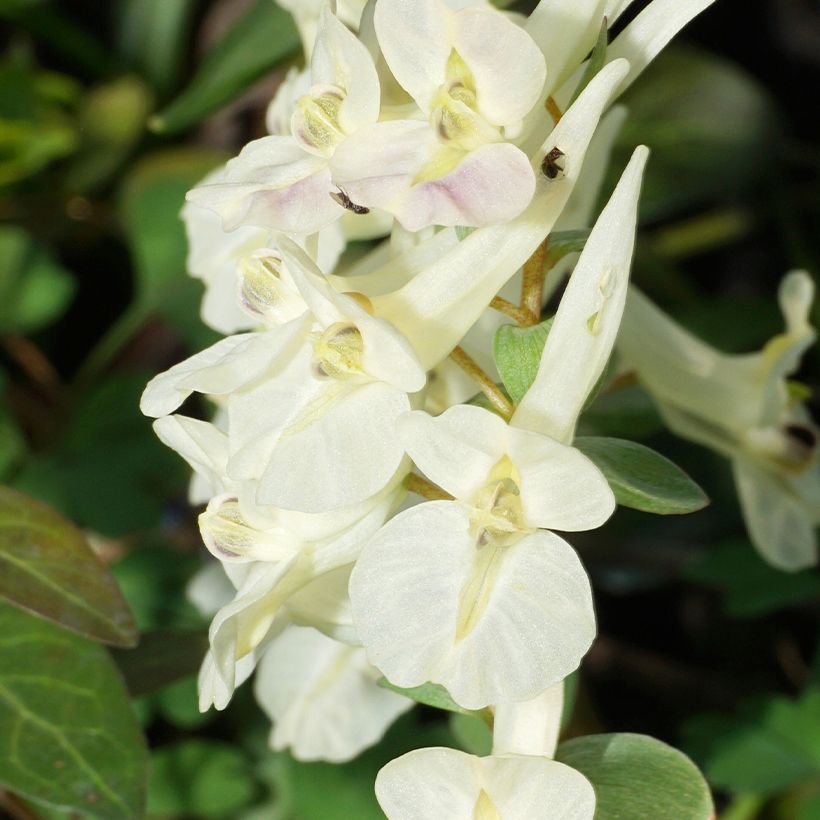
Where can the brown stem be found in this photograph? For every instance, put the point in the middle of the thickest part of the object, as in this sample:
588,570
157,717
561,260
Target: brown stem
490,389
532,287
39,370
421,486
521,317
553,110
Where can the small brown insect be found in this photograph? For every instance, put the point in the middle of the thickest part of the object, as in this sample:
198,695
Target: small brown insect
553,165
345,201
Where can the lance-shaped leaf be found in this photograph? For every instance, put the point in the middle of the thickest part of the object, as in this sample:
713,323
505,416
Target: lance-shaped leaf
517,353
641,478
669,786
437,307
588,318
48,568
68,735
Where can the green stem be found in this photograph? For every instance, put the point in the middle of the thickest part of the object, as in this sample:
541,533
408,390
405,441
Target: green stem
743,807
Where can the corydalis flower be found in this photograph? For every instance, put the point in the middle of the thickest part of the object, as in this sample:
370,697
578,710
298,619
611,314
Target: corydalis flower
742,407
477,594
323,697
440,782
284,183
474,75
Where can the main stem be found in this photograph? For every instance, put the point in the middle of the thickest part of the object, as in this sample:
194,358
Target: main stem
488,387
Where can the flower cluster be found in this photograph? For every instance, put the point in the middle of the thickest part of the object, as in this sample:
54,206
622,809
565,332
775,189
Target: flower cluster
465,136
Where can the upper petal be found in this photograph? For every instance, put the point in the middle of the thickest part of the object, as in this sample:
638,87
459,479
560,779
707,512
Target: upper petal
505,62
561,489
458,449
222,368
416,41
340,59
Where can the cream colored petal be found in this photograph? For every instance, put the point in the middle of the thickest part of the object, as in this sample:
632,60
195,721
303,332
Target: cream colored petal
438,306
565,31
222,368
339,59
561,489
780,526
589,315
506,64
416,41
456,450
322,697
502,624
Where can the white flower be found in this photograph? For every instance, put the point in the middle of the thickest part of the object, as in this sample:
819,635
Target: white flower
241,630
218,257
741,406
470,593
476,594
312,403
283,183
474,75
323,697
445,784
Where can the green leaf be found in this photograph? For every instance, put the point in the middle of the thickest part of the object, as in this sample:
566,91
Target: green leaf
769,745
563,243
641,478
162,658
472,734
262,39
635,776
200,778
109,472
68,735
34,288
750,586
48,568
627,411
596,60
517,352
431,694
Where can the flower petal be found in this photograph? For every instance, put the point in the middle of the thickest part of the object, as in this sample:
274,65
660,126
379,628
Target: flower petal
340,59
490,186
436,308
201,444
273,184
456,450
415,39
589,315
565,31
506,64
489,627
338,456
780,526
561,489
428,783
222,368
322,697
